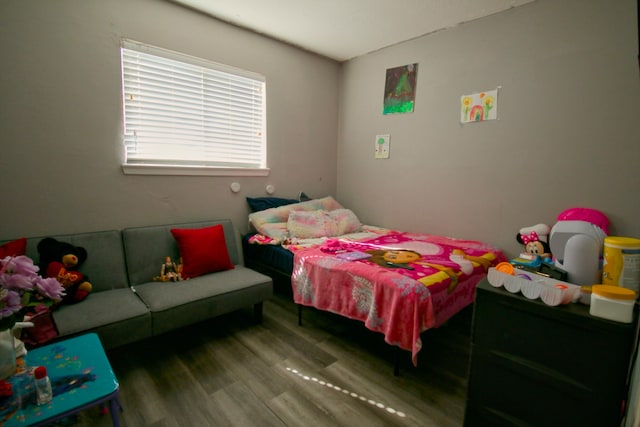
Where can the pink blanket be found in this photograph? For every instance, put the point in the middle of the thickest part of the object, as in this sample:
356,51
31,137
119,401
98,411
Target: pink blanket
408,284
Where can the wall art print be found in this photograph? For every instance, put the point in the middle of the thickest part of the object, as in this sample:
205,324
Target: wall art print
382,146
479,106
400,89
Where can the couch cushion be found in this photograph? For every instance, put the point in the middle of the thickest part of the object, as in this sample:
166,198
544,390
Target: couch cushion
118,316
13,248
176,304
202,250
105,265
147,247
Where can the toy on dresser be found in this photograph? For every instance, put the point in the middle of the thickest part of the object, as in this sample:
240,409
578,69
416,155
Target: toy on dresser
577,242
536,246
537,257
570,251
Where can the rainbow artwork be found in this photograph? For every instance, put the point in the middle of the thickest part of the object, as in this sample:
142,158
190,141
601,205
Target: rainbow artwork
479,107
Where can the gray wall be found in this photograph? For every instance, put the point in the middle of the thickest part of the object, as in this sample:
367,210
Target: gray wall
567,134
61,117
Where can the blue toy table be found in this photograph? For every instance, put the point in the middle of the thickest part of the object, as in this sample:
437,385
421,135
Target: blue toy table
81,377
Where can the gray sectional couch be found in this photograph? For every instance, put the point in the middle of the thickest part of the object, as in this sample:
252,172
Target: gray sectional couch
126,305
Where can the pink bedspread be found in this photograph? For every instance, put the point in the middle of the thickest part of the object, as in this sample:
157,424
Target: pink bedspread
411,282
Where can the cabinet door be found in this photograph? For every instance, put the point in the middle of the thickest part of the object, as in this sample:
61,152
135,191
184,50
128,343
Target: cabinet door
540,365
504,391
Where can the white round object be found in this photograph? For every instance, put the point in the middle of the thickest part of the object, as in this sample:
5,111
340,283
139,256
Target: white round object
235,187
270,189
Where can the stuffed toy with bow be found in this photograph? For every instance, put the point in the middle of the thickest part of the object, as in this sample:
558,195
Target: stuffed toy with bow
536,241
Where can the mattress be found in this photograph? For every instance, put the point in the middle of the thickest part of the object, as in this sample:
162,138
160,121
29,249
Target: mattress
271,258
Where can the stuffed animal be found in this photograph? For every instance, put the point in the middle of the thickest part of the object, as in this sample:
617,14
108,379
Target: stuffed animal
62,261
535,240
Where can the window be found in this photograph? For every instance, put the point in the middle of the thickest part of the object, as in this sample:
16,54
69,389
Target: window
184,115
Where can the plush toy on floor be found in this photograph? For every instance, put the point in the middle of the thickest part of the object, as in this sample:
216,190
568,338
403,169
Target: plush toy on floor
62,261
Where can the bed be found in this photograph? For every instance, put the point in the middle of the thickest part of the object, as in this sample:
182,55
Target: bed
399,284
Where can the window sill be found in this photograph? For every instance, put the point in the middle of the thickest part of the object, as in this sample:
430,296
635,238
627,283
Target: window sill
191,171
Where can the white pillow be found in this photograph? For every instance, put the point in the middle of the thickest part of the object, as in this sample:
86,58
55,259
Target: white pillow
311,225
321,223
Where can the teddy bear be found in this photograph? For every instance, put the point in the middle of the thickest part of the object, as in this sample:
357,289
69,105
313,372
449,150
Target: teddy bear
62,261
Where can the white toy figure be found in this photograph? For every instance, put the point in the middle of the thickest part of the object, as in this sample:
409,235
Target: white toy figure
577,241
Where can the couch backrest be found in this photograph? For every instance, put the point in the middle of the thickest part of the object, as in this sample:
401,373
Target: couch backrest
105,265
147,247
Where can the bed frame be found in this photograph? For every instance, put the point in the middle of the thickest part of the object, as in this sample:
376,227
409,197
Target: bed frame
281,273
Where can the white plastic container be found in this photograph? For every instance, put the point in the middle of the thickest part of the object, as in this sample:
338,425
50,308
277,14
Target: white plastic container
612,302
533,286
44,393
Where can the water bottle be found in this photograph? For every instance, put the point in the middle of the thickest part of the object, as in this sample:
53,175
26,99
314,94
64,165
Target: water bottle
43,385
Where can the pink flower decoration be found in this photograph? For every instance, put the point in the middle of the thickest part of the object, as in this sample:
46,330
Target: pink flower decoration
21,287
50,288
9,303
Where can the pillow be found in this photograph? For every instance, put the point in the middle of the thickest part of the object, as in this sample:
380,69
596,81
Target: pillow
14,248
311,225
346,221
203,250
260,220
257,204
275,230
321,223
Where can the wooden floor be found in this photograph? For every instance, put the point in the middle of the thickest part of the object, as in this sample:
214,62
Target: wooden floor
329,372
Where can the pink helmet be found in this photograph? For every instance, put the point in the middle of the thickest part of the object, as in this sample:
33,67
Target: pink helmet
588,215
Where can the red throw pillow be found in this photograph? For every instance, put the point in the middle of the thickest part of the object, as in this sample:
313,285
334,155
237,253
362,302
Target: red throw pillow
203,250
14,248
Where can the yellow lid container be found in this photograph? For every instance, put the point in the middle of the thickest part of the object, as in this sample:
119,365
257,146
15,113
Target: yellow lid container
612,302
613,292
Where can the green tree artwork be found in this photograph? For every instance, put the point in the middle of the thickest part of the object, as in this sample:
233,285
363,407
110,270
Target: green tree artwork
400,89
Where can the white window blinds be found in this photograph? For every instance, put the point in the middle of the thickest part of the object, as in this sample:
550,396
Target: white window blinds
184,111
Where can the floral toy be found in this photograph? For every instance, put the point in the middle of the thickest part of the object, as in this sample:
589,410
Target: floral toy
22,289
62,260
